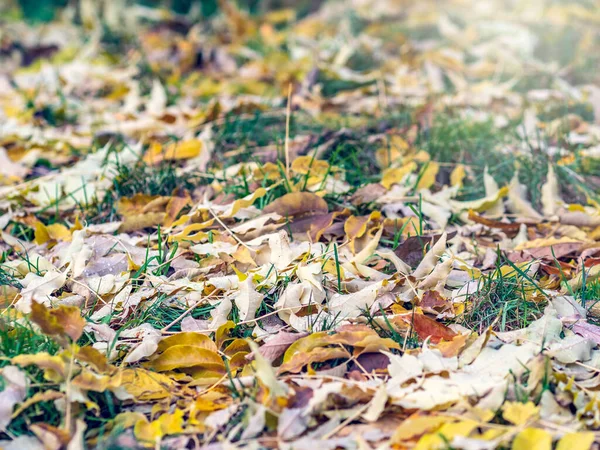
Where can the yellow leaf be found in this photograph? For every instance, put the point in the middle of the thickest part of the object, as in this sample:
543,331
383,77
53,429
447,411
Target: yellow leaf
331,268
183,219
55,368
187,231
428,176
532,439
576,441
417,425
186,356
268,171
148,431
222,333
208,402
481,204
59,232
167,424
574,207
144,385
188,338
244,256
519,413
446,433
236,346
245,202
41,235
175,151
131,264
77,225
89,381
43,396
306,344
203,377
127,419
305,165
397,148
355,227
458,175
395,175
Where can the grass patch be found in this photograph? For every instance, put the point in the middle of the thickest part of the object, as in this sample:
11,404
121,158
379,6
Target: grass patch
589,296
18,337
507,298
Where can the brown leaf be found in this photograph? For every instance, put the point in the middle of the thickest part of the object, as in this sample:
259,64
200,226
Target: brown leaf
364,338
509,227
58,321
587,330
296,204
426,327
276,345
371,362
313,226
412,249
368,193
432,302
141,221
320,354
555,251
174,207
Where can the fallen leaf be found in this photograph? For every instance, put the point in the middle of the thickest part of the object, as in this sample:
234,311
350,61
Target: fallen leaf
15,388
187,356
519,413
58,321
297,203
532,439
276,345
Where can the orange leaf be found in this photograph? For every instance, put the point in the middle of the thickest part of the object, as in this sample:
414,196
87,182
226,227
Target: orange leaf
427,327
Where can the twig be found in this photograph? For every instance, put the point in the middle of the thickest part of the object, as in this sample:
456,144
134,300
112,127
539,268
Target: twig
342,425
243,322
288,113
88,288
242,243
187,311
68,408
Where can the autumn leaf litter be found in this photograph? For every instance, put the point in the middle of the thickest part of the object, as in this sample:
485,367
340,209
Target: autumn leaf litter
371,225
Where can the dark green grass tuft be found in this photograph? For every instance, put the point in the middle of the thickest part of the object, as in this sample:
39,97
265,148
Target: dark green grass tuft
18,337
503,301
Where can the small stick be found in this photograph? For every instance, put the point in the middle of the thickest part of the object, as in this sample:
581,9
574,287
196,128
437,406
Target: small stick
243,322
187,311
233,235
287,131
342,425
68,406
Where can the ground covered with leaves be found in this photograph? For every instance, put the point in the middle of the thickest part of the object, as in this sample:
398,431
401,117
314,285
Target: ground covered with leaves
349,225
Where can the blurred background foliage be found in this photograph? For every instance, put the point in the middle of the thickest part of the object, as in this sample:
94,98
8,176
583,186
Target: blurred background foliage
46,10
